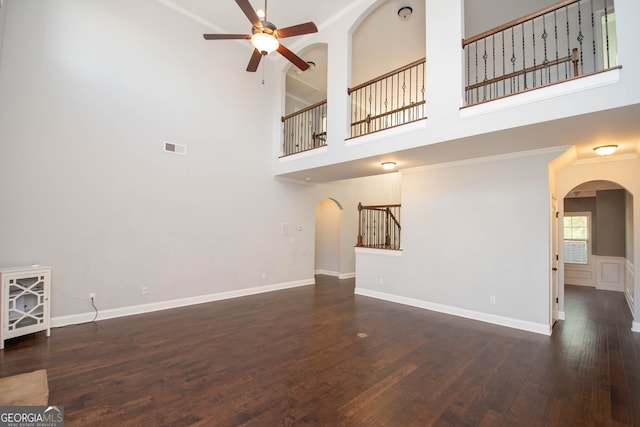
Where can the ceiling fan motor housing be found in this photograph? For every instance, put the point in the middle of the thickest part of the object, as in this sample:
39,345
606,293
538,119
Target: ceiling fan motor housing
265,27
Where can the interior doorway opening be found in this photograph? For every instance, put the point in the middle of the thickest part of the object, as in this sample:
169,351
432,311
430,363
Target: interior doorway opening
597,237
328,235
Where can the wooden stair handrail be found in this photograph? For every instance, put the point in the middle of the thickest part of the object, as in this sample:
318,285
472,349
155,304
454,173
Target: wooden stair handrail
571,58
304,110
368,119
393,217
360,207
517,21
384,76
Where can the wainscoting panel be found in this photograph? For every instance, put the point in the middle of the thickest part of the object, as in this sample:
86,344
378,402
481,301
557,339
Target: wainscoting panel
610,274
580,275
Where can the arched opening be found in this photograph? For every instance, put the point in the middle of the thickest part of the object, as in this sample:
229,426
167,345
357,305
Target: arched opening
384,41
327,244
388,71
597,238
595,235
305,119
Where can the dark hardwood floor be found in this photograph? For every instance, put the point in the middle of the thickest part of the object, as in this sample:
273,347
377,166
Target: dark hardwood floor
294,357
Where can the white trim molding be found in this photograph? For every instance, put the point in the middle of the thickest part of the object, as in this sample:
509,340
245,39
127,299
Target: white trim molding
635,327
524,325
113,313
561,315
328,273
343,276
629,283
381,252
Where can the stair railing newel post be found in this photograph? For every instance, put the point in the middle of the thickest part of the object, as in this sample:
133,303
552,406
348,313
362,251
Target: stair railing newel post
359,241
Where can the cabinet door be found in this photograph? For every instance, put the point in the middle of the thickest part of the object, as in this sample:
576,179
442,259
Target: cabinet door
26,303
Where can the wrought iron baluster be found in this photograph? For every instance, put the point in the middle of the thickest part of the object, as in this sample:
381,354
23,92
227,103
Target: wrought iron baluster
535,54
484,59
524,63
555,32
546,59
606,29
566,71
580,37
513,58
593,36
504,83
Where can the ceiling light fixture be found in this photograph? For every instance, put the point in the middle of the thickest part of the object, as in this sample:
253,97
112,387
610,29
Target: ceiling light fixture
605,150
405,12
388,165
265,43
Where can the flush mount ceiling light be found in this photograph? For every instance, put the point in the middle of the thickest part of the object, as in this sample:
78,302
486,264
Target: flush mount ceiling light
388,165
405,12
605,150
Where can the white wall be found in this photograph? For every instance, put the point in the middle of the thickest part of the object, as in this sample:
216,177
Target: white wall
88,93
3,13
328,223
483,15
471,231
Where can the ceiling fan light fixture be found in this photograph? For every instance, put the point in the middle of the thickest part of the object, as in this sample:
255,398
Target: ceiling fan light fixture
605,150
265,43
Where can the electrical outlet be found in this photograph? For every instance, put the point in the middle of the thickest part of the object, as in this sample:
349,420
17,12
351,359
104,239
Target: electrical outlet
492,300
92,296
145,290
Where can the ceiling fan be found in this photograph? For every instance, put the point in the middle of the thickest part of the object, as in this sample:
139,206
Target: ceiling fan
264,37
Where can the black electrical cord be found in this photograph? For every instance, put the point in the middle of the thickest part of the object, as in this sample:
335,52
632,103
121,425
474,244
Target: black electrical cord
93,304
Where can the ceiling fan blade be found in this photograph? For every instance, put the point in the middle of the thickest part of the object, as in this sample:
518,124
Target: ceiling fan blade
293,58
297,30
256,56
249,12
226,36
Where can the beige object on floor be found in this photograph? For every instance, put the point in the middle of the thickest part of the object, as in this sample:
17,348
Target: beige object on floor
31,389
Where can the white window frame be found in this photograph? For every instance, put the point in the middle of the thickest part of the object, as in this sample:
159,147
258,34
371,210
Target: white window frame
589,237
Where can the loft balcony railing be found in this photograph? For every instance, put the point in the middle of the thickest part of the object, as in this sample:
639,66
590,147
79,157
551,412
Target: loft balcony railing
393,99
379,226
567,40
305,129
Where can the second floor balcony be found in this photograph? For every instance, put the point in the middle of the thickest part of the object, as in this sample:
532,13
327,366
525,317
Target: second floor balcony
542,60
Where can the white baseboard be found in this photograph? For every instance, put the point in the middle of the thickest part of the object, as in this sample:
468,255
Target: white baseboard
561,315
112,313
461,312
328,273
635,327
336,274
629,299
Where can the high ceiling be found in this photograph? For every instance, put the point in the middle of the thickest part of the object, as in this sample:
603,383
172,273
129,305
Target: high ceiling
224,16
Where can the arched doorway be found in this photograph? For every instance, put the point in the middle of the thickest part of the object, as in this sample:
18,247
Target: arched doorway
597,237
327,245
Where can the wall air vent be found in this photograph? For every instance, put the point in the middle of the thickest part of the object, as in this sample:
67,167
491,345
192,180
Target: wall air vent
170,147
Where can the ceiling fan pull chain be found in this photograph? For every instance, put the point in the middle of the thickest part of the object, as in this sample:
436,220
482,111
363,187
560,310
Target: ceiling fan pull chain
263,67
